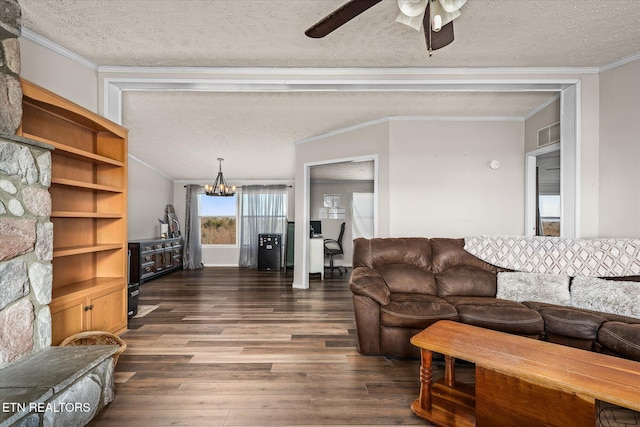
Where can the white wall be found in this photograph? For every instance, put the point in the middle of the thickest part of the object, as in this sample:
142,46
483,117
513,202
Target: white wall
441,184
149,194
63,76
620,151
543,118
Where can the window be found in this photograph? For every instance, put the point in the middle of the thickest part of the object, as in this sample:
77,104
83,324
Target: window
550,214
218,219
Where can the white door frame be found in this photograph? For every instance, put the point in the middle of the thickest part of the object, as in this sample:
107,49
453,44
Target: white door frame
569,168
531,158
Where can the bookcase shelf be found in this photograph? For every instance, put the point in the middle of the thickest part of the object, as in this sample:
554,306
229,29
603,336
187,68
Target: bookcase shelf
75,153
85,249
67,214
89,212
86,185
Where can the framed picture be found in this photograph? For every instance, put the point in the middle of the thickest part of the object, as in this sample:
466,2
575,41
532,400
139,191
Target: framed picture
331,200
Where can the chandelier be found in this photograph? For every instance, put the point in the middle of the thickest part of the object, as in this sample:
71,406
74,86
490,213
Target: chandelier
219,187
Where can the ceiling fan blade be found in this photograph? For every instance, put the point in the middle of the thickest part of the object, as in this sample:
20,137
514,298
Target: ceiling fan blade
339,17
436,40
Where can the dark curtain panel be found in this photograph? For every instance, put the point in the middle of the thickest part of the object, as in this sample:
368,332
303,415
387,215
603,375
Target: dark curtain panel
192,248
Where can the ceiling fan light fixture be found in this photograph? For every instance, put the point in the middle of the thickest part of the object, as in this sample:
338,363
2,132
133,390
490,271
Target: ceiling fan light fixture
412,13
412,7
448,10
436,24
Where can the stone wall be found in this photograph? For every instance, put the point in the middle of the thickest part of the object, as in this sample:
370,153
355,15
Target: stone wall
26,234
10,89
26,248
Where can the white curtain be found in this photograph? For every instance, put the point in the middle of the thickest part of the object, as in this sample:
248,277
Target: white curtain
192,258
264,211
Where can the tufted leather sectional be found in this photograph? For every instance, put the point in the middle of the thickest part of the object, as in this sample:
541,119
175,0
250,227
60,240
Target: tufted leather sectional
402,285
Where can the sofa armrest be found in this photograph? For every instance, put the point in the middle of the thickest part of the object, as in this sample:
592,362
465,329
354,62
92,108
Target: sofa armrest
368,282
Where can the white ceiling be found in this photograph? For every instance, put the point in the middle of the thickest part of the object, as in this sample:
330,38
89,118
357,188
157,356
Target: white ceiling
255,130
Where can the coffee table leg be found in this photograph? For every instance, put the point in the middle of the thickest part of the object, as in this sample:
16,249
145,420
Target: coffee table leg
449,371
426,374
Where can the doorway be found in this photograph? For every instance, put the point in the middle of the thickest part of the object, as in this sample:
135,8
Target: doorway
544,192
332,188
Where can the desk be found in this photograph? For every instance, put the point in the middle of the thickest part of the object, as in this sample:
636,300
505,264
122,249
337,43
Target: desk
519,381
316,256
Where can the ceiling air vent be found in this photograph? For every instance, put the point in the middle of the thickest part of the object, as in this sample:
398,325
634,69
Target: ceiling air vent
549,135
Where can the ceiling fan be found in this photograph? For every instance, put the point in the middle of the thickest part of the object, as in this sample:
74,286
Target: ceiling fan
435,16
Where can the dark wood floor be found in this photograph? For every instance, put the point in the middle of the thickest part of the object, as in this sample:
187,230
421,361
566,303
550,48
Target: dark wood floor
238,347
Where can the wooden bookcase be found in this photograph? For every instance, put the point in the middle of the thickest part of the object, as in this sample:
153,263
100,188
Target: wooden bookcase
89,212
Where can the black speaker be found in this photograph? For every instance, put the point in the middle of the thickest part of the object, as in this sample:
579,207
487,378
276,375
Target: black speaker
134,292
269,252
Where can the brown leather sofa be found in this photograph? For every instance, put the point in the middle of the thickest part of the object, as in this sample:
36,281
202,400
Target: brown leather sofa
402,285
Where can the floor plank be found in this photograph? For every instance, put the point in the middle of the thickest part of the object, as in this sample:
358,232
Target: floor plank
238,347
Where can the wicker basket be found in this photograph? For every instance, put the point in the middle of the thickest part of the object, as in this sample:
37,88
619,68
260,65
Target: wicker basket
97,338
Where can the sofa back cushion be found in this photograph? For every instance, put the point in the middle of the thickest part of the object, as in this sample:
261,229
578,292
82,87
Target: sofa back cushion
458,273
466,281
405,278
616,297
404,263
375,253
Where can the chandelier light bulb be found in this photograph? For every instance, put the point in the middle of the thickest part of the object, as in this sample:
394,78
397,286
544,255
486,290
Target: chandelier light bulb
437,23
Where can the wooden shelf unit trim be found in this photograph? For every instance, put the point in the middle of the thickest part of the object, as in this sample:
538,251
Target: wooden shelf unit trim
86,185
58,106
71,214
79,287
76,153
85,249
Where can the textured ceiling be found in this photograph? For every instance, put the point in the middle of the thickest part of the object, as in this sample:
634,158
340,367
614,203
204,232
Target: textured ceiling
254,131
222,33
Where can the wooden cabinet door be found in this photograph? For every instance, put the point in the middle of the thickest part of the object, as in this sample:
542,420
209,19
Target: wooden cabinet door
67,318
108,311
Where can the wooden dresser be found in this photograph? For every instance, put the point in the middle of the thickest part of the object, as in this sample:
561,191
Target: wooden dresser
151,258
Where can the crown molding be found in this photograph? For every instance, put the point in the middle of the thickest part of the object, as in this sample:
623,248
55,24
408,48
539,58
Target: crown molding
541,107
43,41
413,119
55,47
147,165
344,72
620,62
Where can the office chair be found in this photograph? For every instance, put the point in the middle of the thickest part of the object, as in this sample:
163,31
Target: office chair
334,247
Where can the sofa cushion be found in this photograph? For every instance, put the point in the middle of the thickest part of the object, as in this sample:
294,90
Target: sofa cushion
617,297
572,323
520,286
499,315
408,279
621,338
416,310
466,281
377,252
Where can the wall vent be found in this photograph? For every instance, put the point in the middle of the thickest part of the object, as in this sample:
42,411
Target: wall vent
549,134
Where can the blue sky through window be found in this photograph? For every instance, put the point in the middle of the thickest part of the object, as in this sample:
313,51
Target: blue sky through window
217,206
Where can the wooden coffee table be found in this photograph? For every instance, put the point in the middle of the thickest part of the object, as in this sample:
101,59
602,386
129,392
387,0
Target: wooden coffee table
519,381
